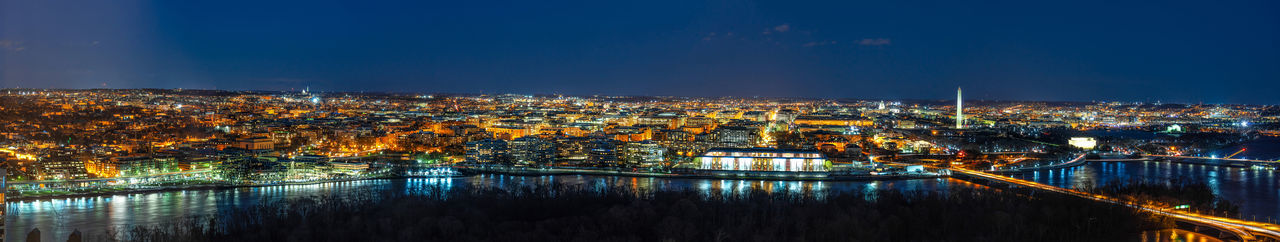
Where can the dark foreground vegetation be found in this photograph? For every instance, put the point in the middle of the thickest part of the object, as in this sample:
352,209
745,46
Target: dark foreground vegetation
1196,194
577,214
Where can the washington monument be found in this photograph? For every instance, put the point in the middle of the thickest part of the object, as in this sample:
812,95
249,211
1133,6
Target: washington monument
959,110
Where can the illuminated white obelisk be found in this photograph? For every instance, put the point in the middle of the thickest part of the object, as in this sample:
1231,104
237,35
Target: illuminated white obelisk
959,110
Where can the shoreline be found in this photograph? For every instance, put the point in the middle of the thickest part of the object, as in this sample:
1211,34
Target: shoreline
197,188
473,171
723,175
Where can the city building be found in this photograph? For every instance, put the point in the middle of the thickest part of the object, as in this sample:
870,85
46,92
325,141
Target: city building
1083,142
643,154
62,168
254,143
532,150
603,152
736,137
487,151
762,159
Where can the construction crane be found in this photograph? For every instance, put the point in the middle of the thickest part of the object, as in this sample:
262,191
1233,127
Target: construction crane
1234,154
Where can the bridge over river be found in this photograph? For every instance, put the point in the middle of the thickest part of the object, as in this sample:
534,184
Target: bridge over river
1236,228
1218,161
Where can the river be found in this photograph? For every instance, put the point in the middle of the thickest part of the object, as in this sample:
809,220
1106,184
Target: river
56,218
1264,148
1257,191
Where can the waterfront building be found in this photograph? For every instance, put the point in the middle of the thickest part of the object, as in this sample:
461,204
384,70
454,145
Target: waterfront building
486,150
643,154
762,159
349,168
572,149
532,150
62,168
141,165
603,152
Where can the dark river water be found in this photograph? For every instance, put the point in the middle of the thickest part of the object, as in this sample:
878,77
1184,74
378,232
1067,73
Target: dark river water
58,217
1257,191
1265,148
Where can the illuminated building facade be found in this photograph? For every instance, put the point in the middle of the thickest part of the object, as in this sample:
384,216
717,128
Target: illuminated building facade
832,121
255,143
737,137
1083,142
762,159
532,150
487,150
63,167
642,154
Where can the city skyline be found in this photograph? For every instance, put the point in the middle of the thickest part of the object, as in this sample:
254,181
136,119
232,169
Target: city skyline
305,90
663,120
95,143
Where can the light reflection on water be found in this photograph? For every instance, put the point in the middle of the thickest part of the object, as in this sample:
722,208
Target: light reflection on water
1175,235
1256,191
93,215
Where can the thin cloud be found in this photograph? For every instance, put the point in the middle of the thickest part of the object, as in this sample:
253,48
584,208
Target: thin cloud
782,28
10,45
820,43
874,42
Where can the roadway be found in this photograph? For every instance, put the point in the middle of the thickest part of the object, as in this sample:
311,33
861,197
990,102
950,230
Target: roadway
1246,230
1079,160
157,175
1213,158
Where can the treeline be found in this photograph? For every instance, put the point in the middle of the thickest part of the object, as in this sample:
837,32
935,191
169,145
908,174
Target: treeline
578,214
1178,191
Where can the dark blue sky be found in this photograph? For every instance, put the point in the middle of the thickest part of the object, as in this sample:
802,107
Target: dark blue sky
1175,51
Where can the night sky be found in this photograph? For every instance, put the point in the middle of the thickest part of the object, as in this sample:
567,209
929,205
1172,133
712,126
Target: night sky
1172,51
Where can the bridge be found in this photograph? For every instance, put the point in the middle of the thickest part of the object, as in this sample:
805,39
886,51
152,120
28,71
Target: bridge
1079,160
1243,229
1224,161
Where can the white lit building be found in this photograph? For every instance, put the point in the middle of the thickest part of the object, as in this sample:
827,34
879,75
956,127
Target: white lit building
762,159
1083,142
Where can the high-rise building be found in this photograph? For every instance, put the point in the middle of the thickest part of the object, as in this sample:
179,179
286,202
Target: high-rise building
604,152
642,154
959,110
736,137
532,150
487,150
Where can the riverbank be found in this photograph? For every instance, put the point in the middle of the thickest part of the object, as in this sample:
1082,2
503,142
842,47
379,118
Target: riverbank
1079,160
21,198
734,175
515,171
574,213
